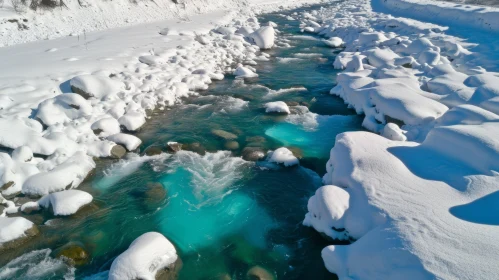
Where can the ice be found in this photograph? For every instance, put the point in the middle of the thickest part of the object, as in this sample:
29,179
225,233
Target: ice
65,203
147,255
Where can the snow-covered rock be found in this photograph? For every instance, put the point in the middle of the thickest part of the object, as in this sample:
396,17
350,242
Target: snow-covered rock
106,127
65,202
63,108
334,42
15,228
130,142
284,156
132,121
277,107
68,174
264,37
146,256
95,86
244,72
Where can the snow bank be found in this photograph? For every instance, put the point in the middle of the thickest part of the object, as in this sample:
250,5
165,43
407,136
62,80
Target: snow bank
416,200
276,107
65,202
477,16
284,156
148,254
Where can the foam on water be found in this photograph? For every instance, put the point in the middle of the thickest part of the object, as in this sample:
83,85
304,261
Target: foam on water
205,205
37,265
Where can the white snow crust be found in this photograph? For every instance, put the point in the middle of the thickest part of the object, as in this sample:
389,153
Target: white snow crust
147,254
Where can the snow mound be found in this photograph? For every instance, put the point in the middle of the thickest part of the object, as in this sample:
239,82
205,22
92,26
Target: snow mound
244,72
65,203
130,142
13,228
148,254
105,127
264,37
276,107
63,108
284,156
95,86
334,42
68,174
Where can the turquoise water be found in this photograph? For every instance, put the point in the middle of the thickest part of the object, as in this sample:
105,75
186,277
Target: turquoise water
224,215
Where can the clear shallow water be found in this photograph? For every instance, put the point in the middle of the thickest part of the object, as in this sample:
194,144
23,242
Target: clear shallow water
224,215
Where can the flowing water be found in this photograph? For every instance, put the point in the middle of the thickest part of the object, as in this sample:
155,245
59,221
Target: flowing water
224,215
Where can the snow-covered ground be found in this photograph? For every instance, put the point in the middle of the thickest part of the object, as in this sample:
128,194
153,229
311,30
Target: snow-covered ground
418,194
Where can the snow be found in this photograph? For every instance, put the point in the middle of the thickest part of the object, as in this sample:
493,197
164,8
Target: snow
96,86
132,121
244,72
13,228
334,42
68,174
476,16
276,107
65,203
284,156
106,126
147,255
130,142
264,37
416,200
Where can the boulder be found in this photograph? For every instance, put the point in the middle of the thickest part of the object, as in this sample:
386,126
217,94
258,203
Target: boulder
73,253
253,153
224,134
118,151
231,145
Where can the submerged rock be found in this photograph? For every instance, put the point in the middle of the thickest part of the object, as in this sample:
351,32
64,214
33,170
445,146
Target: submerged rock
231,145
259,273
224,134
255,139
155,193
253,153
153,151
74,253
173,147
118,151
195,147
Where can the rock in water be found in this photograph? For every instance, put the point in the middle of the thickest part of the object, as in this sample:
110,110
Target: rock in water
231,145
224,134
74,253
264,37
150,256
153,151
259,273
173,147
253,153
118,151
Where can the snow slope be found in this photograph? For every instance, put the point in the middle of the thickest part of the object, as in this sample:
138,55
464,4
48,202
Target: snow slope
477,16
